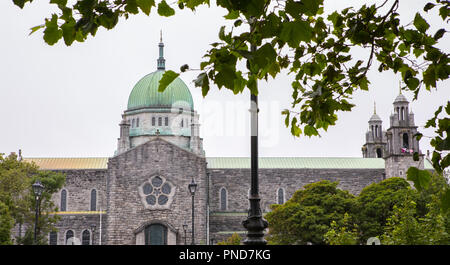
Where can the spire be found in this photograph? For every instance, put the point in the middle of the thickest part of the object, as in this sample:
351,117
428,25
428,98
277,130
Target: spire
161,61
374,108
400,86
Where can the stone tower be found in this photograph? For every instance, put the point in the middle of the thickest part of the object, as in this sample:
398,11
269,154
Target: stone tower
401,140
375,146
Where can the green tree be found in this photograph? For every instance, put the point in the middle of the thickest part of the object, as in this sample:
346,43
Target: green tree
18,201
347,234
234,239
375,205
6,224
404,227
307,216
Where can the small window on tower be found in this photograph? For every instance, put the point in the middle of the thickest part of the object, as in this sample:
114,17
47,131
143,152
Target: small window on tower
137,122
182,123
153,121
159,121
379,153
405,140
133,123
166,121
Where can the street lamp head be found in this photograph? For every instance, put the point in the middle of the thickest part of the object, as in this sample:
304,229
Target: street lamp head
192,187
185,226
93,226
38,188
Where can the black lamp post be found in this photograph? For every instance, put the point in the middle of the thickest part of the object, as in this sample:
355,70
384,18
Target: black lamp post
38,188
93,226
185,230
192,187
255,224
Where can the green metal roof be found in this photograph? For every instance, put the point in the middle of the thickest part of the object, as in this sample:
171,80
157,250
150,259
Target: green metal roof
228,162
145,94
296,162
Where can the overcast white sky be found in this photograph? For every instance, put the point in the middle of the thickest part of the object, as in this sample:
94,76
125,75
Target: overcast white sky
59,101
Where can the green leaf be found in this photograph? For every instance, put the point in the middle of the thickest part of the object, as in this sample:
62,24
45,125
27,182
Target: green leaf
166,79
445,201
36,28
232,15
294,32
69,33
59,2
412,83
20,3
132,7
203,82
265,55
295,130
52,33
145,5
428,6
421,178
439,34
165,10
184,68
420,23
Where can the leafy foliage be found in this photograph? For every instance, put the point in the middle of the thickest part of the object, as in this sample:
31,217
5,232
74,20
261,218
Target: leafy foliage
234,239
17,202
307,216
347,234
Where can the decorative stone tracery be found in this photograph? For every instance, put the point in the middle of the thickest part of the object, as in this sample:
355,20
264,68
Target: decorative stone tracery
157,193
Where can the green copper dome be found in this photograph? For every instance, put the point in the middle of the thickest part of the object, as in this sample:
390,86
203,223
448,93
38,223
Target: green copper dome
145,94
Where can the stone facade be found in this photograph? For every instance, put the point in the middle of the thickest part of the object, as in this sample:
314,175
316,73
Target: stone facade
141,196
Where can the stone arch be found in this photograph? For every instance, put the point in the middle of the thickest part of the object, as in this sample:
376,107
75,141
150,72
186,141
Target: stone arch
140,232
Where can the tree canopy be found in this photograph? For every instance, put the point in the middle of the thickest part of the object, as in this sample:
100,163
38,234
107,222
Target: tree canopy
307,216
321,213
17,201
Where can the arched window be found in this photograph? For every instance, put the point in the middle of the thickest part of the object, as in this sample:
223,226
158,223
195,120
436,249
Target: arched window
69,234
153,121
379,153
86,238
376,130
280,196
182,121
156,234
53,238
402,113
133,123
93,200
398,113
373,134
137,122
159,121
405,140
63,206
166,121
223,199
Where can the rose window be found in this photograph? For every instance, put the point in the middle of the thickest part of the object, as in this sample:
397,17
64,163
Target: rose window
157,193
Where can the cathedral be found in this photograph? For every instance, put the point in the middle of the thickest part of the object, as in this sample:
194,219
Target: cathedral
142,195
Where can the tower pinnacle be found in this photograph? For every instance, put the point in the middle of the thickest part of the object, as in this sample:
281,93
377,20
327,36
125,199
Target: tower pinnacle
161,62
